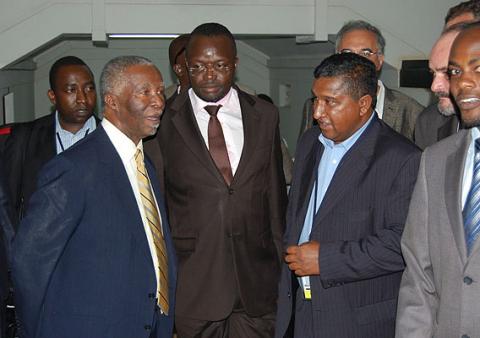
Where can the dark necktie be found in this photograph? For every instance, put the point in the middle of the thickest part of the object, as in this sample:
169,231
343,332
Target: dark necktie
217,146
471,211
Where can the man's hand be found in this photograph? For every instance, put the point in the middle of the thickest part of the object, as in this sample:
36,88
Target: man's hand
303,259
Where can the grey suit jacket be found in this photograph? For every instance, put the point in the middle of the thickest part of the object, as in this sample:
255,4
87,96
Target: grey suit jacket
432,126
400,112
440,289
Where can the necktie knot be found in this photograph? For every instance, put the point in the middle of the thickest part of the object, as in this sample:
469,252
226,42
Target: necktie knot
139,159
212,110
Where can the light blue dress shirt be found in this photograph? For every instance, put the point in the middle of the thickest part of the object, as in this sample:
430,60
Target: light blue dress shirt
331,157
65,139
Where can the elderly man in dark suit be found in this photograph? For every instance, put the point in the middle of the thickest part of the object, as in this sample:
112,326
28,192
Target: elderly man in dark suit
225,194
32,144
353,177
93,256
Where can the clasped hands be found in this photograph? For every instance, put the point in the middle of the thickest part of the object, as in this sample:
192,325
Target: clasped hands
303,259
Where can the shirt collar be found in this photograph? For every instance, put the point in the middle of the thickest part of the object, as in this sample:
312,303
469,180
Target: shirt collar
349,142
122,143
198,104
380,98
89,125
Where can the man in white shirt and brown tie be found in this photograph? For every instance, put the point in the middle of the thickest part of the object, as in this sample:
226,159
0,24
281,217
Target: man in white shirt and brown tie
225,194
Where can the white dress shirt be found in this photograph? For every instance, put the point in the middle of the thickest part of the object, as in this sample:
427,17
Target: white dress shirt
380,99
126,149
230,117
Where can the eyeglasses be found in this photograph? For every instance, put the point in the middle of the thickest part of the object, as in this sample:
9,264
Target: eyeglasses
366,52
218,67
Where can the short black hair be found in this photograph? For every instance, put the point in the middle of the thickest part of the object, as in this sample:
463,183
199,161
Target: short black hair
359,74
212,29
471,6
177,47
65,61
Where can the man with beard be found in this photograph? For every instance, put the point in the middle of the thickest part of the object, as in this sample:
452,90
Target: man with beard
439,120
440,287
32,144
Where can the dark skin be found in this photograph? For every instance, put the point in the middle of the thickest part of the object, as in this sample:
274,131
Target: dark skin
339,116
73,96
211,61
178,62
464,72
137,106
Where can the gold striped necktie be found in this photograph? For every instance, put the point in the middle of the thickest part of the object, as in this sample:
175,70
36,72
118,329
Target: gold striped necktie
155,225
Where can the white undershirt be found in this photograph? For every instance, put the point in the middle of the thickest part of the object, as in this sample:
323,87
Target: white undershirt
126,149
230,117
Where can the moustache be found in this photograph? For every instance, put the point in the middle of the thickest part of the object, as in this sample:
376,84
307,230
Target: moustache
442,94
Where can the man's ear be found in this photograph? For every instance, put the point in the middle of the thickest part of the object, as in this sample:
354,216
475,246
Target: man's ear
52,97
178,69
365,103
111,101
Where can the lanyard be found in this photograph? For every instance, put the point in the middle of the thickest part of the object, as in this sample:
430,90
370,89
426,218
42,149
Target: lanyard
60,139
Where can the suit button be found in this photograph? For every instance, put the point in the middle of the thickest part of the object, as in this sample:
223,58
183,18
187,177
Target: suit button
147,327
151,295
230,191
289,295
467,280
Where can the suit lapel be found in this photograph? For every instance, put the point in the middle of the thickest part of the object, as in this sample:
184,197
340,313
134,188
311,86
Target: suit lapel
47,145
184,121
312,161
453,188
350,170
250,120
116,180
390,115
448,128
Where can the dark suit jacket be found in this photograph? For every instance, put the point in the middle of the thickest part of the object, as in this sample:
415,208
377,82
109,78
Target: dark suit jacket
81,261
400,112
29,147
432,126
358,226
6,236
225,234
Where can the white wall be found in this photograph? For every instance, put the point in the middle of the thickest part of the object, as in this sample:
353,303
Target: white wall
252,70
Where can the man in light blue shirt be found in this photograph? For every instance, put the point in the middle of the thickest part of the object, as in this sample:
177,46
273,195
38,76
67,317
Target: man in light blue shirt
352,183
32,144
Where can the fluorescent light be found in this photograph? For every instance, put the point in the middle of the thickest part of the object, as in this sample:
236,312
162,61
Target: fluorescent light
143,36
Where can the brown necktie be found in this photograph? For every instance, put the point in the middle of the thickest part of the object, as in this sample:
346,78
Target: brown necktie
216,144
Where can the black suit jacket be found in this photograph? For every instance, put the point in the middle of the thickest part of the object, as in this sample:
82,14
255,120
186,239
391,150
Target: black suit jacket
358,226
6,236
432,126
29,146
228,239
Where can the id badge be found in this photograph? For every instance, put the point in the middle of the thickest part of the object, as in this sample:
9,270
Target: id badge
307,292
